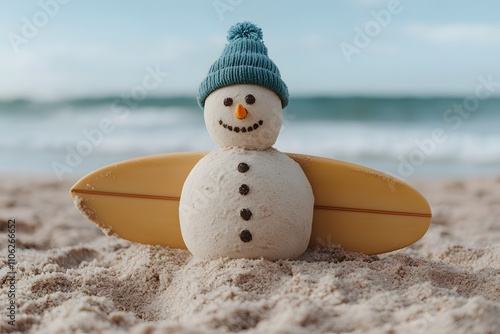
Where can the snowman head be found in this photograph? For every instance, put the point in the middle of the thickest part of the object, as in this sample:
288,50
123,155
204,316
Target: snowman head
242,115
243,89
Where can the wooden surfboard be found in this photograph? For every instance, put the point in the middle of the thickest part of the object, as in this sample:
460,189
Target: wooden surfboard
358,208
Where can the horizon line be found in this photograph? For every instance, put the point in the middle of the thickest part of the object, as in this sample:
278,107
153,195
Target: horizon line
97,98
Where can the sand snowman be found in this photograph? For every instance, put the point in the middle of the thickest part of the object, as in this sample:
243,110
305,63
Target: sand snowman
245,199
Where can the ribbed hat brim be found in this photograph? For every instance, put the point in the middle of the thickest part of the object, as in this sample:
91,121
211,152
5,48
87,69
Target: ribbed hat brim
243,75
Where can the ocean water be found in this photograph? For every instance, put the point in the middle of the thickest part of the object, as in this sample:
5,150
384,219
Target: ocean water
405,137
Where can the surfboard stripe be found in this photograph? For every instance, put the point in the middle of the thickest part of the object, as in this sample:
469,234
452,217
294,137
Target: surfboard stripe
115,194
316,207
381,212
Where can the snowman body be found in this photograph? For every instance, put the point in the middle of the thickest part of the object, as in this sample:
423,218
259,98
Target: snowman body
246,203
246,199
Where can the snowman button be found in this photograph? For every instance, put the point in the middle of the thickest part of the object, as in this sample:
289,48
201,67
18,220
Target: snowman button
246,214
243,167
245,236
244,189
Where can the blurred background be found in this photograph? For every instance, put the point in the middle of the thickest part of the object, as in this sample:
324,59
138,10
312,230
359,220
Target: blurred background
411,88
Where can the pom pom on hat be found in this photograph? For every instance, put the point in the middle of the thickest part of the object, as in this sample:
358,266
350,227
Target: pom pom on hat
244,61
246,30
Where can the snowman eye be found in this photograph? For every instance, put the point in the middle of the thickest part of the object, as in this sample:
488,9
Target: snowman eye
228,101
250,99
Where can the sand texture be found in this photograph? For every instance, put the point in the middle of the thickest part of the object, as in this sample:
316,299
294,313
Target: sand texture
71,278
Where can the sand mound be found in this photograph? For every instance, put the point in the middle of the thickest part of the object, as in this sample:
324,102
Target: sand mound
72,278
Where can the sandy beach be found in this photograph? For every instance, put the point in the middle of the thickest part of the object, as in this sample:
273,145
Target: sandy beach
71,278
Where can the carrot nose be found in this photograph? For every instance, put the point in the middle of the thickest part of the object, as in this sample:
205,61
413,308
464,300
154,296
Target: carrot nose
240,112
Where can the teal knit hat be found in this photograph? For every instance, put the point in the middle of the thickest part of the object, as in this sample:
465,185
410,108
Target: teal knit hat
244,61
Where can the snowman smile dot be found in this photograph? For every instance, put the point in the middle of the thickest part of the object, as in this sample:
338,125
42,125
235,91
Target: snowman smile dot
246,214
245,236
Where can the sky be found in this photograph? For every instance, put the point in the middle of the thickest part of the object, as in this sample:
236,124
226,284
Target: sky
60,49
